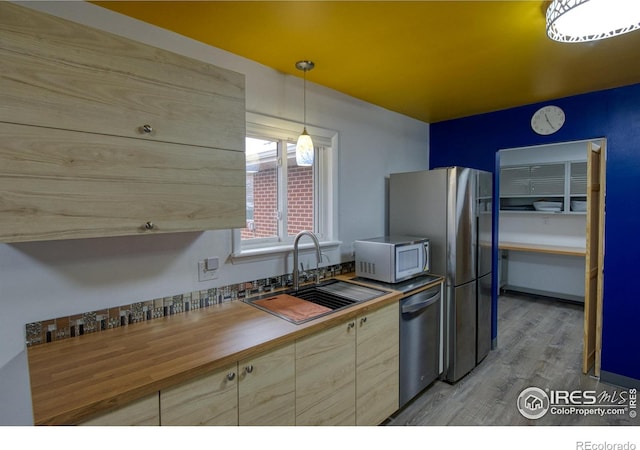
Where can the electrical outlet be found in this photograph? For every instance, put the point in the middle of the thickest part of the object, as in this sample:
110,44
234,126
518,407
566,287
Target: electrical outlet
204,274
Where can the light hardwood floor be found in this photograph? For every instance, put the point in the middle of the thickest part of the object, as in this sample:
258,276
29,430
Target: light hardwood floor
539,344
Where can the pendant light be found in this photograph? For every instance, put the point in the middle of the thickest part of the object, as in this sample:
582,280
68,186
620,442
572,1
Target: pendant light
304,146
591,20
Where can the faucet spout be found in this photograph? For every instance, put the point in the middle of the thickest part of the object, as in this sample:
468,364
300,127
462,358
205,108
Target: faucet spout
296,272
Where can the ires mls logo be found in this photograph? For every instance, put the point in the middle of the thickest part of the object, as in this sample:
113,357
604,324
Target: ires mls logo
534,403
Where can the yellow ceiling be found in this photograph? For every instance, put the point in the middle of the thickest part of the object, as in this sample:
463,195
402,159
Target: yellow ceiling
431,60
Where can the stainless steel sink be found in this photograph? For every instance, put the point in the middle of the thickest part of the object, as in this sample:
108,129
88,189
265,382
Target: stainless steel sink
333,294
349,291
322,298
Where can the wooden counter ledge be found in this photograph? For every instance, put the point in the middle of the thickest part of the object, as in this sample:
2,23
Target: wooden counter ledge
542,248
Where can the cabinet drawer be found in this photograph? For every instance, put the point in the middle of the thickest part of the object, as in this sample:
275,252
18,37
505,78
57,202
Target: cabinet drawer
56,184
59,74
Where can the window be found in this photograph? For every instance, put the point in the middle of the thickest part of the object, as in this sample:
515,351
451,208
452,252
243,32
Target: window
277,189
282,197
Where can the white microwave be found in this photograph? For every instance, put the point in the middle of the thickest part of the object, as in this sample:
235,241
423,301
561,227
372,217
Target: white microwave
392,259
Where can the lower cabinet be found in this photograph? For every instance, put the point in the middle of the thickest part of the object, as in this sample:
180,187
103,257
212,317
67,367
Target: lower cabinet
349,374
143,412
326,377
209,400
266,388
255,391
345,375
377,365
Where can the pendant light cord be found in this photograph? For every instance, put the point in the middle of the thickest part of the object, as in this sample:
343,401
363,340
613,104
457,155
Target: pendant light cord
305,66
304,99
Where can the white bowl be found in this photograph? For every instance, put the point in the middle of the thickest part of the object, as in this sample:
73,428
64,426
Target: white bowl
547,206
578,205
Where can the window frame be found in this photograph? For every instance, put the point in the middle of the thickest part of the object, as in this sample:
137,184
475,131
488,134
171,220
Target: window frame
325,186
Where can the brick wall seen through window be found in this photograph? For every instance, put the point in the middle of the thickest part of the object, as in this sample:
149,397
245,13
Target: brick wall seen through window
299,199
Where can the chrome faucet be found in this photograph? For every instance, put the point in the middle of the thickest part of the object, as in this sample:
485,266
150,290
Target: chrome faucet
296,273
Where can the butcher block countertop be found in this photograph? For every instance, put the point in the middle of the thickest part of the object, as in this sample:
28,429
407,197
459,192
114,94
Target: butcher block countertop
74,379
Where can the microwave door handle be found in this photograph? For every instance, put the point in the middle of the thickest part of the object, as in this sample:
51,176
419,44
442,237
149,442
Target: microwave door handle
425,258
417,306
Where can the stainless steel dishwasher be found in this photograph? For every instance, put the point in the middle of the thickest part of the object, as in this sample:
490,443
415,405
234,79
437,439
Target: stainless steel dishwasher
420,341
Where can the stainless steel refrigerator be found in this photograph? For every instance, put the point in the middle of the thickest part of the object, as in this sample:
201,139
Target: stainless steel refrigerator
452,207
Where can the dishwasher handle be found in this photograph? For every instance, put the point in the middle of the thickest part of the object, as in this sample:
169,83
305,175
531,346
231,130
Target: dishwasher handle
419,301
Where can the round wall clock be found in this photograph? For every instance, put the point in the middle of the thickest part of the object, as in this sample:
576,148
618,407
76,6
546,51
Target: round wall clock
547,120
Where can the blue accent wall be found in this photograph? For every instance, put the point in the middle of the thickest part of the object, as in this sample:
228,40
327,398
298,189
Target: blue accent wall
615,115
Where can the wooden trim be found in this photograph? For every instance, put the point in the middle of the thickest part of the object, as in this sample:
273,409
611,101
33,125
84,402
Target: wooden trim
594,258
601,249
542,248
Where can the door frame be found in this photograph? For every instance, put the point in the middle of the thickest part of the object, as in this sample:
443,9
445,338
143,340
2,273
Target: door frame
594,267
591,327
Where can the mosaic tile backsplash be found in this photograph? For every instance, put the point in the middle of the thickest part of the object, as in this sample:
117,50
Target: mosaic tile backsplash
52,330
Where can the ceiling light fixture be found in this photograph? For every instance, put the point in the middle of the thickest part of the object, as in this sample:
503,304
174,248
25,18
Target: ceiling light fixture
304,147
591,20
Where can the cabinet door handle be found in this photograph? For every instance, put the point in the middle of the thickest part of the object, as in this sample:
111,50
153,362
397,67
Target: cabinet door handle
149,226
363,320
351,325
249,368
231,376
147,129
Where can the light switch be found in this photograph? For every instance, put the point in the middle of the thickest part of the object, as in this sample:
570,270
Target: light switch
211,263
208,269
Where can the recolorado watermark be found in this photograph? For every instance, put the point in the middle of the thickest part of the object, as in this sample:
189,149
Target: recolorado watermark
589,445
534,403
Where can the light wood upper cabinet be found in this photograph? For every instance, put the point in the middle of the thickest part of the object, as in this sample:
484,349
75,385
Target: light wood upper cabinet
104,136
56,184
377,365
209,400
143,412
326,377
60,74
266,389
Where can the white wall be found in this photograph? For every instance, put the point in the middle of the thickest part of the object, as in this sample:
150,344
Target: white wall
41,280
559,276
565,230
